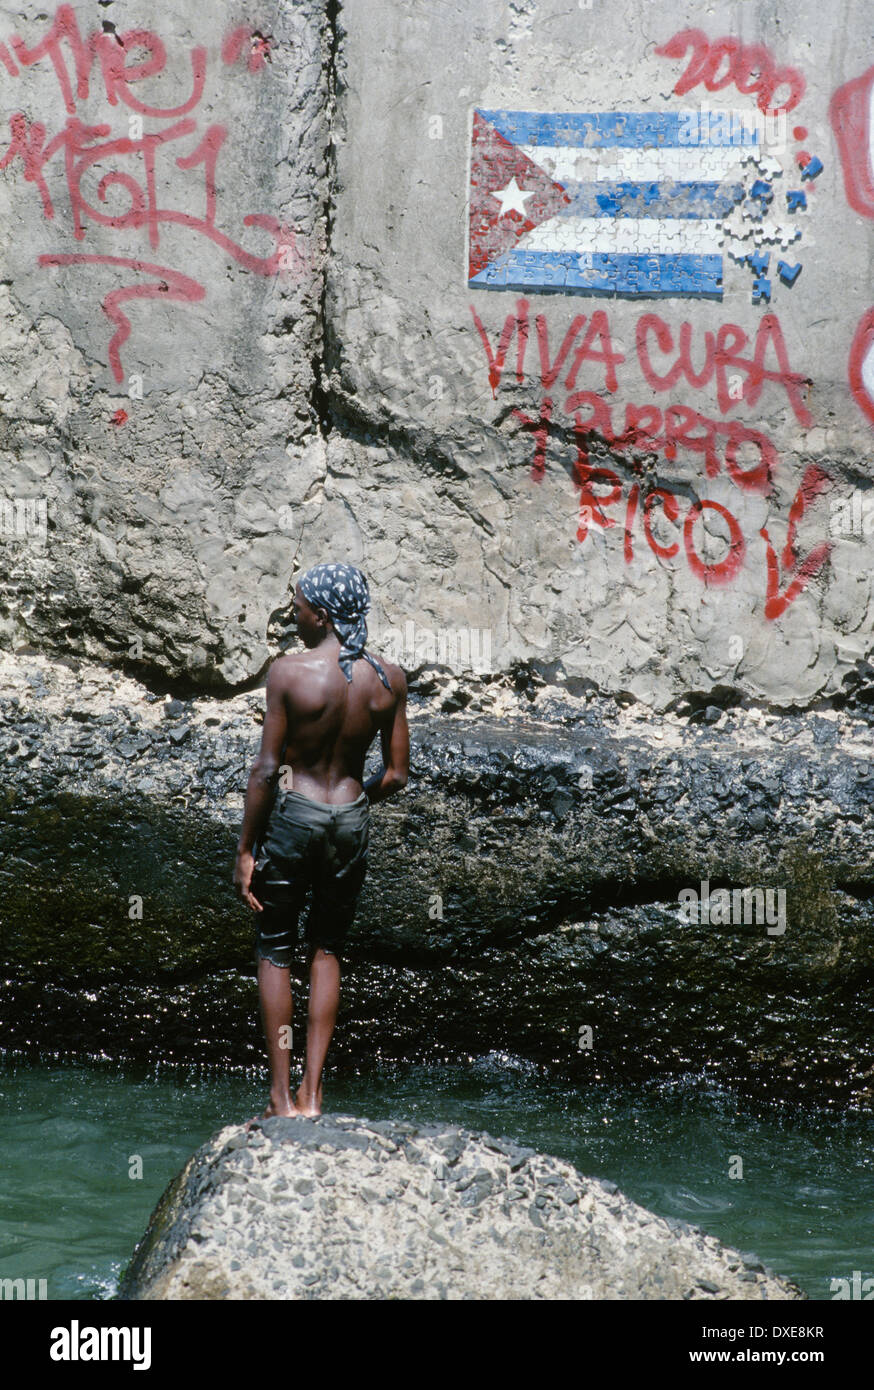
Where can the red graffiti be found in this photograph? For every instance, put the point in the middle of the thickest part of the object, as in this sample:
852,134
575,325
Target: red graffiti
665,502
515,323
80,153
127,195
851,113
722,354
719,63
724,360
111,50
652,430
663,497
587,476
852,121
540,429
861,365
815,481
243,37
120,417
726,569
171,283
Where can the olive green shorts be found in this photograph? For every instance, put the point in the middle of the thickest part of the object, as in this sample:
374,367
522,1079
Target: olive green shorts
309,847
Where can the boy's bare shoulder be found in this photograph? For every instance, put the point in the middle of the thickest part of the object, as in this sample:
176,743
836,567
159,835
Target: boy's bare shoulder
287,669
288,661
291,668
396,678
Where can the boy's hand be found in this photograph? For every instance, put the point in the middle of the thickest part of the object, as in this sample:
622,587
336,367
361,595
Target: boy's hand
243,870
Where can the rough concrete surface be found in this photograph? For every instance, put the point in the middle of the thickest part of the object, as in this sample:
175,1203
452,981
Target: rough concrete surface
346,1208
410,371
654,488
164,460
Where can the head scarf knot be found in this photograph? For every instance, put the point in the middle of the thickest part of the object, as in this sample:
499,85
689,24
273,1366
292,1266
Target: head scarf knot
343,593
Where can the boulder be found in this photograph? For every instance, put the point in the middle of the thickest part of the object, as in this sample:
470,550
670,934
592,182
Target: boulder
346,1208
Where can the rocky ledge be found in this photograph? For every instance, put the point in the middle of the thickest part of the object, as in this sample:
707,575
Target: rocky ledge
349,1208
537,854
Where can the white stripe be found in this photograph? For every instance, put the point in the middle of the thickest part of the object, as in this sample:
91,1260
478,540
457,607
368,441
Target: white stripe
644,236
868,372
870,132
682,164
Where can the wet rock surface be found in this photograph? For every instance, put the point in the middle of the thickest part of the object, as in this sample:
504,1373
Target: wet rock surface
345,1208
536,855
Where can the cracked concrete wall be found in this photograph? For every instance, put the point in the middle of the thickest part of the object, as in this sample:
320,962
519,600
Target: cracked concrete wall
595,572
373,367
162,249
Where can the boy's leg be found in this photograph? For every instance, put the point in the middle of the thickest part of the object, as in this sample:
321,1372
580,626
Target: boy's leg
324,1002
279,882
274,988
341,869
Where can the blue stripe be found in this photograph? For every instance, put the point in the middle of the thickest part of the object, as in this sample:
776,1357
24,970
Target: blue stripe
608,199
604,273
607,128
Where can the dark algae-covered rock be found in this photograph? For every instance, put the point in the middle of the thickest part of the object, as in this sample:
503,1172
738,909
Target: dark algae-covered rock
537,856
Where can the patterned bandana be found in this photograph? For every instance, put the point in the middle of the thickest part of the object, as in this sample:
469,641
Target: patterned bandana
343,593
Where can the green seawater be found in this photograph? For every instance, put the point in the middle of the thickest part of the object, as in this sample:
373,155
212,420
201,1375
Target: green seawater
70,1212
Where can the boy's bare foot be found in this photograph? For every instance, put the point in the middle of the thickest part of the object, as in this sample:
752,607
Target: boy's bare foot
280,1106
309,1103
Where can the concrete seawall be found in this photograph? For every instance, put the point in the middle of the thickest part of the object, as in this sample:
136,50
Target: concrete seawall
553,317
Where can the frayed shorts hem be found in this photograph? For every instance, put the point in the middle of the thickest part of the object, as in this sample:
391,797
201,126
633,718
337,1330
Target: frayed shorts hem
310,947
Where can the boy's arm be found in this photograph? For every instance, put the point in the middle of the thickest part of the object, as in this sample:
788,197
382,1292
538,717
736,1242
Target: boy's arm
262,782
395,738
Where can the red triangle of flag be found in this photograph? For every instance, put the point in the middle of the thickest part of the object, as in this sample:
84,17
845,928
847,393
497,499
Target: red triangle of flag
494,162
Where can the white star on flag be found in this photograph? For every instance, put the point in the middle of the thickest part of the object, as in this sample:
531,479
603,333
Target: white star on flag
511,198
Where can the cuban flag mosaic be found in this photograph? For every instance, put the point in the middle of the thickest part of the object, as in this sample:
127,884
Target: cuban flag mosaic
601,202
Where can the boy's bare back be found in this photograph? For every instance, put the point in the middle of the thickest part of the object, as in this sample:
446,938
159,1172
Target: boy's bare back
331,722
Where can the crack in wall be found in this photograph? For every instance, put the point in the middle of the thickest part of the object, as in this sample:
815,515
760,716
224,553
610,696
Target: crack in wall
321,396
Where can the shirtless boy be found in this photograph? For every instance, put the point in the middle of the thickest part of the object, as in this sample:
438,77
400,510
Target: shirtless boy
324,708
